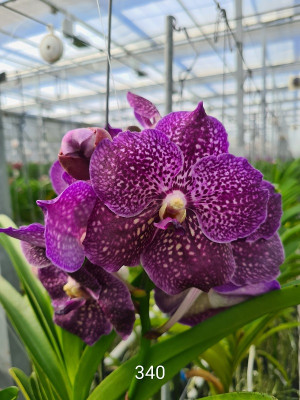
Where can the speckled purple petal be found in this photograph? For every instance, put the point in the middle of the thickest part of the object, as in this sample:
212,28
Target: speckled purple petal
56,176
145,111
114,299
54,279
228,197
257,261
33,234
88,322
68,178
197,134
134,169
176,262
247,290
274,213
66,219
35,255
112,241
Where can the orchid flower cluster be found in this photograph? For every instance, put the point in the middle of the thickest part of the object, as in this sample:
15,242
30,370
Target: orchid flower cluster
202,223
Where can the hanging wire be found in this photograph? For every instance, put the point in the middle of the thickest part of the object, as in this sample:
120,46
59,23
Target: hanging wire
108,55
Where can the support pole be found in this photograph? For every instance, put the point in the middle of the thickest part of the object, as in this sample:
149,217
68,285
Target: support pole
263,96
169,64
108,64
239,78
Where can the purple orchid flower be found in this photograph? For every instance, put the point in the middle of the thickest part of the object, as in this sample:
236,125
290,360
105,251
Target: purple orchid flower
76,149
60,241
89,302
179,171
257,266
145,111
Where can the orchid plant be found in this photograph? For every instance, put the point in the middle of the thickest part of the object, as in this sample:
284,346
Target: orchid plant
200,224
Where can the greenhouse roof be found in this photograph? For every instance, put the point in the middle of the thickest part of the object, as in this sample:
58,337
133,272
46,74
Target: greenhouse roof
204,65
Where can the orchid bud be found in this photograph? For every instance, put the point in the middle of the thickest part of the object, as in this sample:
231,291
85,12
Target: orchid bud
76,150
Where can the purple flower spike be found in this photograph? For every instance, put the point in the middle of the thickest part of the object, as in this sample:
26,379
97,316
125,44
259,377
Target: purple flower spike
228,197
197,134
77,147
257,261
274,213
145,111
89,302
176,262
134,169
66,220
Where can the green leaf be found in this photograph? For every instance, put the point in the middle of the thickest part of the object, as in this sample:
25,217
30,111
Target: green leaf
249,336
28,328
88,365
72,350
278,328
178,351
240,396
36,293
35,387
276,364
220,361
22,381
290,213
10,393
289,234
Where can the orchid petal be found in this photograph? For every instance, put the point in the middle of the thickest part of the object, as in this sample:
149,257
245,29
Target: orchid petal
112,241
176,262
56,176
197,134
274,212
66,220
228,197
134,169
145,111
257,261
33,234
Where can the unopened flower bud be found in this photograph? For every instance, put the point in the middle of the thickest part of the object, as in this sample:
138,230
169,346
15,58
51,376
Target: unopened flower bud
77,146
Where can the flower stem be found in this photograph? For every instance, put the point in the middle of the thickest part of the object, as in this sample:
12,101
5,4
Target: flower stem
145,343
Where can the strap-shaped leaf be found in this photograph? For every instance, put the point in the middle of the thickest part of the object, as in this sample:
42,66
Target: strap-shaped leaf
10,393
240,396
22,380
88,364
36,293
34,338
177,351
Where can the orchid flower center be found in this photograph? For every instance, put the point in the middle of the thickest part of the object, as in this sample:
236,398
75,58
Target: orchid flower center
173,206
74,290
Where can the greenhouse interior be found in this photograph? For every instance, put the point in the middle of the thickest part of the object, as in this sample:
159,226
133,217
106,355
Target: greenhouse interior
149,199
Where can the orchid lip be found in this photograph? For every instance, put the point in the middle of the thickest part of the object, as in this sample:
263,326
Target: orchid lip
173,206
74,290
